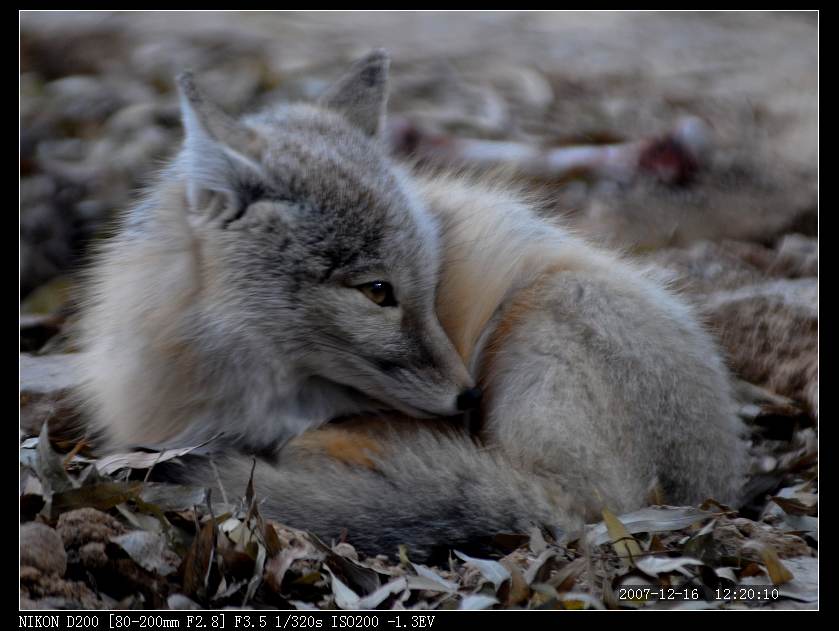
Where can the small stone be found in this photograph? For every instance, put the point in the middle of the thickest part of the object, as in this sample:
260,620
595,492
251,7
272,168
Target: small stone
41,548
46,387
92,555
85,525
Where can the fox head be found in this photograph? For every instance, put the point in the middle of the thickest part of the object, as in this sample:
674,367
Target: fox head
317,244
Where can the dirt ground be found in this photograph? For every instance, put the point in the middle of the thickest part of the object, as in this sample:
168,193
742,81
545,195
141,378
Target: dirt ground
725,193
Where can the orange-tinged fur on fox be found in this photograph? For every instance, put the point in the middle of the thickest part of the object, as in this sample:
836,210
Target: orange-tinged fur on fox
355,446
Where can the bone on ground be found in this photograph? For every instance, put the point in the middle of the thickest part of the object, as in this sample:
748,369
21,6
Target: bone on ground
673,157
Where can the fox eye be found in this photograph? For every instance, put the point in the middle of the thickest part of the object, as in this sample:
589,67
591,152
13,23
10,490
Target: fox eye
379,292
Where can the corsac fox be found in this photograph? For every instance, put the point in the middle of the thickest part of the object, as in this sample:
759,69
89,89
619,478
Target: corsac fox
286,272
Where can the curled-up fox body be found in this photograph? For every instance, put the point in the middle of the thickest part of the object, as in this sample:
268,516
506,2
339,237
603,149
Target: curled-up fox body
599,384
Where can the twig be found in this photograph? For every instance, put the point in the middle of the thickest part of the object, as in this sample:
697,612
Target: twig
218,481
73,452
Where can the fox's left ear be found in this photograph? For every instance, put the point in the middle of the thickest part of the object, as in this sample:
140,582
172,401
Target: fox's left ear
361,94
219,152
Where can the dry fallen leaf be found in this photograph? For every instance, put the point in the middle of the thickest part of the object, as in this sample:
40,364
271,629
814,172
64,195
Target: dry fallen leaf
198,563
518,590
492,571
623,543
651,519
776,570
149,550
477,601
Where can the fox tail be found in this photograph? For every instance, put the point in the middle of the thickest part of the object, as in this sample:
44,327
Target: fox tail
430,489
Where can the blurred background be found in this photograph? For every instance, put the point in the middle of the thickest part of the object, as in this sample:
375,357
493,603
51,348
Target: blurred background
687,138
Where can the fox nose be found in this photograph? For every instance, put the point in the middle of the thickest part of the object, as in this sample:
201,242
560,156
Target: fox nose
469,399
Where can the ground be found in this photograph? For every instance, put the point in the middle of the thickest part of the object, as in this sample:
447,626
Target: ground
701,140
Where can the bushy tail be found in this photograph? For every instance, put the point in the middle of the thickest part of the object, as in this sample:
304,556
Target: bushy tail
410,483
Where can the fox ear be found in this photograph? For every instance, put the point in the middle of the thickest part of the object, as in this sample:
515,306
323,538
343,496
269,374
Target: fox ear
361,94
219,152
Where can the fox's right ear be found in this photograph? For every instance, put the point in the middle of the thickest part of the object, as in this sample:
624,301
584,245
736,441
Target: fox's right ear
219,152
361,94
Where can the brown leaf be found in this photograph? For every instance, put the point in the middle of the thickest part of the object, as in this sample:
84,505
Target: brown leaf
277,566
102,496
272,540
237,563
360,579
517,589
751,569
564,580
776,570
197,565
794,506
623,543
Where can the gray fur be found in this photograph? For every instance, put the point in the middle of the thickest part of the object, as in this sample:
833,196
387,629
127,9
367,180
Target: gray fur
361,94
636,395
225,305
